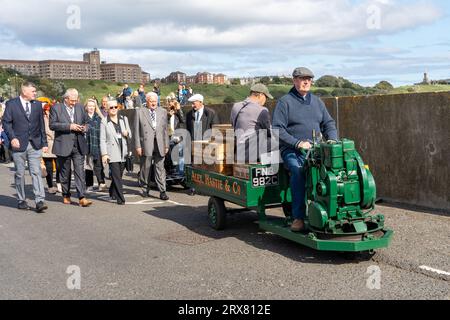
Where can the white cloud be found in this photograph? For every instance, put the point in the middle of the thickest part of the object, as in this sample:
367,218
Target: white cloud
201,25
252,37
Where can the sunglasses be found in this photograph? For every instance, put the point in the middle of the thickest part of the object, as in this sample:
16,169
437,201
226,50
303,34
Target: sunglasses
110,108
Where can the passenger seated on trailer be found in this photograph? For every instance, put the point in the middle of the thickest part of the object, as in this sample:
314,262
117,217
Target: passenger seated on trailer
249,118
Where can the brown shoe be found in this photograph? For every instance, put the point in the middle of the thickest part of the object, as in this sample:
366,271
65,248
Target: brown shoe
85,202
67,200
298,225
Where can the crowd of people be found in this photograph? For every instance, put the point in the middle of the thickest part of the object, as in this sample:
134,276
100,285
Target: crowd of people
54,138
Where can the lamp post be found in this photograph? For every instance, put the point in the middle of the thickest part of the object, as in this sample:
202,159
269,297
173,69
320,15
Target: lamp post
15,82
10,89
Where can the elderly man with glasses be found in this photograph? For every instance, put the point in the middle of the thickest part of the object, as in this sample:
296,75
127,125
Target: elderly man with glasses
295,117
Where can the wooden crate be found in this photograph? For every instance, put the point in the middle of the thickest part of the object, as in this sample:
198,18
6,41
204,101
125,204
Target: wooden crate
198,146
222,129
215,152
222,168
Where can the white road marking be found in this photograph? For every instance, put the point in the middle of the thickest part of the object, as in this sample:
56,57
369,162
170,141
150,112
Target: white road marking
445,273
144,202
176,203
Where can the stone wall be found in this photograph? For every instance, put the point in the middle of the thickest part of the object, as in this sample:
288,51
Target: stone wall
405,139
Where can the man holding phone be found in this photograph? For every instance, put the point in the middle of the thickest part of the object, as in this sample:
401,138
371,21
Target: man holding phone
69,121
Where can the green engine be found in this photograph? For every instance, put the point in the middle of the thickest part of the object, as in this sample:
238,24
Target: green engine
340,191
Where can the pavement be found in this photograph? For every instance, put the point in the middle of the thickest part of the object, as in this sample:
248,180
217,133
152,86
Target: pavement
152,249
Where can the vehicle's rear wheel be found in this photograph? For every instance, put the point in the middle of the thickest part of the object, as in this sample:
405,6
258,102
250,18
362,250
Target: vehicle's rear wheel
217,213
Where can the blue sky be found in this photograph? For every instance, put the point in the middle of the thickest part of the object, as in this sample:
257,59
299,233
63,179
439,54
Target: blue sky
365,41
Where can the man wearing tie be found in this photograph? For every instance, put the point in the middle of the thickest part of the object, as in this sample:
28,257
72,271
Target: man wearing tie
68,120
200,118
198,121
152,143
23,122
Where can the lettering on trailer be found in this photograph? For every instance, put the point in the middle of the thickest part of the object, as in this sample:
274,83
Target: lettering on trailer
217,184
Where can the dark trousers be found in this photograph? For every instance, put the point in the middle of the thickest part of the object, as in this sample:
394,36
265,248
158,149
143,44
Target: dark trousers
65,165
2,152
98,172
116,188
49,167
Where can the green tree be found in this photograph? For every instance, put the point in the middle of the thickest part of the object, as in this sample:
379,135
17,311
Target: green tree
265,80
342,92
384,85
276,80
328,81
51,89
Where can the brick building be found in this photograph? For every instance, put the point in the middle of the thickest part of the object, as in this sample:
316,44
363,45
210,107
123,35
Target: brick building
176,77
204,78
89,69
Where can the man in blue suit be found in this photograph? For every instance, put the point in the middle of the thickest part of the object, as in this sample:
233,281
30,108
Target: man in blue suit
23,122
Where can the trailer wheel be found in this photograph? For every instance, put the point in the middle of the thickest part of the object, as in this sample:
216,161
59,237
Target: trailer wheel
217,213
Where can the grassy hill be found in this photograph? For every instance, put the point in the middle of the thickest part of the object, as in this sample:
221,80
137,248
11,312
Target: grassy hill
214,94
421,88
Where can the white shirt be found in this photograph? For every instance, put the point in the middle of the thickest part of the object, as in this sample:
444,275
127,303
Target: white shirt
24,104
172,124
71,112
200,114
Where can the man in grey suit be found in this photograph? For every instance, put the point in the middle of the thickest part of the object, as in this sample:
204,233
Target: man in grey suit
68,120
152,143
23,123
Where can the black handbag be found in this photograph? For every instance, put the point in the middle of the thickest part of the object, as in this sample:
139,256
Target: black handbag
129,159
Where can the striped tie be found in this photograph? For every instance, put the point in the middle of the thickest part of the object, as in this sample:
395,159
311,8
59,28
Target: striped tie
71,114
153,119
27,110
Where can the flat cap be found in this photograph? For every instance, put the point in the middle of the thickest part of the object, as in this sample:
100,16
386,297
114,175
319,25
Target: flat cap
196,97
261,88
302,72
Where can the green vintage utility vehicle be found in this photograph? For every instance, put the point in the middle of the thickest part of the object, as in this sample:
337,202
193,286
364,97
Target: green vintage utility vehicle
340,199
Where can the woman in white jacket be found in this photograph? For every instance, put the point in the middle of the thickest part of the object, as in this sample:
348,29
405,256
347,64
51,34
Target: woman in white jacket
114,135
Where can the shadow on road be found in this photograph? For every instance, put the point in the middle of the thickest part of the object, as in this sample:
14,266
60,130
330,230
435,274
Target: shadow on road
8,202
243,226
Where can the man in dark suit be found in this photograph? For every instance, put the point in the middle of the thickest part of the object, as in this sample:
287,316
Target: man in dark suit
152,143
68,120
198,121
200,118
23,122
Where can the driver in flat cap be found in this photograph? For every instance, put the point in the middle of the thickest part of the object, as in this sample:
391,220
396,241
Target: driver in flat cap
295,116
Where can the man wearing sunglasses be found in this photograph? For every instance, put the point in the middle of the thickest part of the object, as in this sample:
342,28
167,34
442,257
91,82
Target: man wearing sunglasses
295,117
68,120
